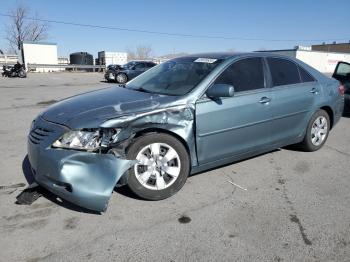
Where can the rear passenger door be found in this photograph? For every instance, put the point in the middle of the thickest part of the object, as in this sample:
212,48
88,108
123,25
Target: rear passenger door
294,93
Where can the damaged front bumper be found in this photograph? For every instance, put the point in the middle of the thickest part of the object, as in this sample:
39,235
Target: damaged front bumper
83,178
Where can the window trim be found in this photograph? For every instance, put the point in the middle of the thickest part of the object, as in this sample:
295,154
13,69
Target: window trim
287,59
307,72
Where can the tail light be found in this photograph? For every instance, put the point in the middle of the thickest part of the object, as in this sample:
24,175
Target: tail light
341,90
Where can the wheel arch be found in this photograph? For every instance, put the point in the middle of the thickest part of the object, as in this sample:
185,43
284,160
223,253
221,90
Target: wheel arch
330,113
165,131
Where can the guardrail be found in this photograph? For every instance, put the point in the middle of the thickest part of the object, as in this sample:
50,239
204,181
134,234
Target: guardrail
74,67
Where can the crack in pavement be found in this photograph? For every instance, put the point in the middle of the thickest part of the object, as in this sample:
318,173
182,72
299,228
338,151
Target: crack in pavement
293,216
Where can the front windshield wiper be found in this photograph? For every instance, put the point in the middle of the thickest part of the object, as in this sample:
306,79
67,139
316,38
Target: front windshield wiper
140,89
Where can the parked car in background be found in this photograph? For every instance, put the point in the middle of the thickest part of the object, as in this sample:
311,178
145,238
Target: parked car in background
125,73
342,74
113,66
183,116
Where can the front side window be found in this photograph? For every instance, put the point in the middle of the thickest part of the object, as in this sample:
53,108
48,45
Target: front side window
283,72
175,77
244,75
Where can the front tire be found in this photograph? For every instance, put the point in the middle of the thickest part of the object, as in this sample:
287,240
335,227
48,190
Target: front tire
317,131
163,167
121,78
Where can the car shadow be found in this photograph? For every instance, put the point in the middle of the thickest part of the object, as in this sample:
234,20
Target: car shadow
28,174
125,191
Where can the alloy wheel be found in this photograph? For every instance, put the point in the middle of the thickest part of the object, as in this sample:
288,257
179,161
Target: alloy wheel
159,166
121,78
319,130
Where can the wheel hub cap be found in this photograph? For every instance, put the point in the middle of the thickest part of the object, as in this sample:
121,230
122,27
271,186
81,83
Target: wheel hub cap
319,130
159,166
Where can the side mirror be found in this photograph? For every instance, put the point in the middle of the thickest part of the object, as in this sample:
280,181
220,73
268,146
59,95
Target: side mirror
220,90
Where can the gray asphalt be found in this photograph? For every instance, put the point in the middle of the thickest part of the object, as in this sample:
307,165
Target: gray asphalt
296,206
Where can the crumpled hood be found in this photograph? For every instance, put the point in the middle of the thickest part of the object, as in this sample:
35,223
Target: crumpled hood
90,110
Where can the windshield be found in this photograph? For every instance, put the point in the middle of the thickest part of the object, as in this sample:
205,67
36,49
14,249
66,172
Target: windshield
175,77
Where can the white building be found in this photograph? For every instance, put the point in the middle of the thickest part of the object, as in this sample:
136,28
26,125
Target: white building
112,58
324,62
40,53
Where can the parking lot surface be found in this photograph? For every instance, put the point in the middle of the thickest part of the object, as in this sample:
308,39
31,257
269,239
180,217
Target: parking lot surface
296,206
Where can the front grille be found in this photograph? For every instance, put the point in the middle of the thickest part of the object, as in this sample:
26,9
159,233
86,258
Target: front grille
38,134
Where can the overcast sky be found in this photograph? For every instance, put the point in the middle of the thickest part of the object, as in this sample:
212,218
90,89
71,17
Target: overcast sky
277,20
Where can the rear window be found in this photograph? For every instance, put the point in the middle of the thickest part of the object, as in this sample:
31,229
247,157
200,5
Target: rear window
305,76
283,72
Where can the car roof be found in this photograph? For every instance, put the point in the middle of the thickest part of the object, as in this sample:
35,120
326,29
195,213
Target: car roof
141,61
228,55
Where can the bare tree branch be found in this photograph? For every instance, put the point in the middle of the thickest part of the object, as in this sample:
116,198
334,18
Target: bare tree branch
19,29
141,52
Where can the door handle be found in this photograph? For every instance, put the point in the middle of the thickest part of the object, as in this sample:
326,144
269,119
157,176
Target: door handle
314,90
264,100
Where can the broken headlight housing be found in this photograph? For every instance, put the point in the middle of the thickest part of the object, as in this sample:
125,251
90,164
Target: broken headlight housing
83,140
89,140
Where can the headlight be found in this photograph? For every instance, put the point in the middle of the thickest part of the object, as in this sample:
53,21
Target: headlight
85,140
89,140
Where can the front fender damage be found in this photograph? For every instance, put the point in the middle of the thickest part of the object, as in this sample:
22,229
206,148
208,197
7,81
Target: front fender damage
177,119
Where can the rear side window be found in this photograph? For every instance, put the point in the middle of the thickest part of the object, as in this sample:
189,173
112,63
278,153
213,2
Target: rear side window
283,72
244,75
305,76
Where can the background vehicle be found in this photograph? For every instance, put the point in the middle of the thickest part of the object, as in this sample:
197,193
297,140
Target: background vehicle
342,73
113,66
183,116
15,71
128,71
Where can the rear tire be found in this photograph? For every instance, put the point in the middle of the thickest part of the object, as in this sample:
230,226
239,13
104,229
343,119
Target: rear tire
317,131
158,176
22,74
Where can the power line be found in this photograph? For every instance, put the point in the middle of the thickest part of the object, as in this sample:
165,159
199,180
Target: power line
174,34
